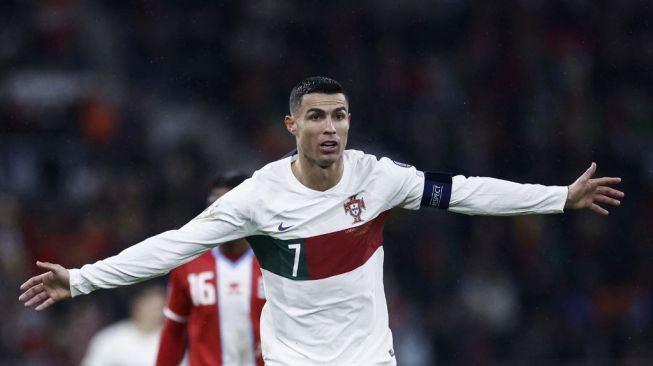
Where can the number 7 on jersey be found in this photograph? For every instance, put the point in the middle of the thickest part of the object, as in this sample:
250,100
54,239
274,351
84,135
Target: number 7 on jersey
297,248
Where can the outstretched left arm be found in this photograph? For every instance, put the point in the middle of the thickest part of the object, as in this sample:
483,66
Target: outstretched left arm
588,192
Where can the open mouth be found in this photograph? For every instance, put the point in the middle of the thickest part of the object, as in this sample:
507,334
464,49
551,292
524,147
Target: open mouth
328,146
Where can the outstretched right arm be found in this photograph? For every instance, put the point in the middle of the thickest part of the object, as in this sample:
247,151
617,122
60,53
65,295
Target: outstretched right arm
153,257
227,219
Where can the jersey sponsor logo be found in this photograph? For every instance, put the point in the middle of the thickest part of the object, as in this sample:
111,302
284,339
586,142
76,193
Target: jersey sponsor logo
355,207
234,288
283,228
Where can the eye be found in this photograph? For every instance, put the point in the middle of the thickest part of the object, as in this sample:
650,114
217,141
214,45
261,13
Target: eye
340,116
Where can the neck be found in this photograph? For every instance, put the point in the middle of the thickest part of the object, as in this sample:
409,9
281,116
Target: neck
316,177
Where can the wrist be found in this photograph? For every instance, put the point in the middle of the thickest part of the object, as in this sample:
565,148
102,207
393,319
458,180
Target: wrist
567,199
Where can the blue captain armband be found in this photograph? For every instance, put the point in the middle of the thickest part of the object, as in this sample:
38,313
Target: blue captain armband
437,190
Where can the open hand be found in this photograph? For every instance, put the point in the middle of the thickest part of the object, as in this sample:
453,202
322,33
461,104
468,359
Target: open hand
47,288
587,192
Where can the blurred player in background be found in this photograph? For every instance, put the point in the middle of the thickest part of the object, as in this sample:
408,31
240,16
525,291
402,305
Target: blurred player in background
315,221
214,303
133,341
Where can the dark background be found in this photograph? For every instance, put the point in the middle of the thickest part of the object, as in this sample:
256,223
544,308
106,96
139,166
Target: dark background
115,115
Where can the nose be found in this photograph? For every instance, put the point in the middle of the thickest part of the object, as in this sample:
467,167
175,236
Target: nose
330,128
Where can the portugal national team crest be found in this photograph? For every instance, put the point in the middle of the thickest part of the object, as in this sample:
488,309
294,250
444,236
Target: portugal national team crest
355,207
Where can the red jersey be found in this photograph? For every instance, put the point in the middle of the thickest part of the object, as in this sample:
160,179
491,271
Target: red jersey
219,301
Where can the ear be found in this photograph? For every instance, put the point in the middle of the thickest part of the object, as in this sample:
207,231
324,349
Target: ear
291,125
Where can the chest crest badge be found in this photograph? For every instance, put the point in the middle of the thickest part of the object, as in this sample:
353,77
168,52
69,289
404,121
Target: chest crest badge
354,207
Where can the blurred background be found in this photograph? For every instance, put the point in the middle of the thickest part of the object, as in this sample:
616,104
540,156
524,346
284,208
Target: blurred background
115,115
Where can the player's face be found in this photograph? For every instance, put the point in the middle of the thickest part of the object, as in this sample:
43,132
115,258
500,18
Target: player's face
321,126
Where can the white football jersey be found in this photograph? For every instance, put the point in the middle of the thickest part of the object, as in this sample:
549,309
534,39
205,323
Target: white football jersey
321,252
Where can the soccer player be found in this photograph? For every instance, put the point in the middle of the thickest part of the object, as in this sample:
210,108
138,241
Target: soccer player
214,303
315,221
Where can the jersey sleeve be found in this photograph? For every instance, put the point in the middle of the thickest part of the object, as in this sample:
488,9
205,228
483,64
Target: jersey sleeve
179,303
404,184
230,217
490,196
172,344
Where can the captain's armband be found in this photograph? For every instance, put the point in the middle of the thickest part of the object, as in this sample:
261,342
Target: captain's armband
437,190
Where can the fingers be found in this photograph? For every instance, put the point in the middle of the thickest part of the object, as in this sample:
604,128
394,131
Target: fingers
33,291
605,199
594,191
598,209
611,192
605,181
43,288
590,171
33,281
45,304
39,279
49,266
37,299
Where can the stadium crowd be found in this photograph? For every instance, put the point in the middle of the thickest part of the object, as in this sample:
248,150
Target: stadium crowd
114,117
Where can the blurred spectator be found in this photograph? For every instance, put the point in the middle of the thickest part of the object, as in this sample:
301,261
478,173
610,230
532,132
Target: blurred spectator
133,341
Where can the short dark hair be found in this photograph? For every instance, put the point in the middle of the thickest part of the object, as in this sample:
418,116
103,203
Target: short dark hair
229,179
314,84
